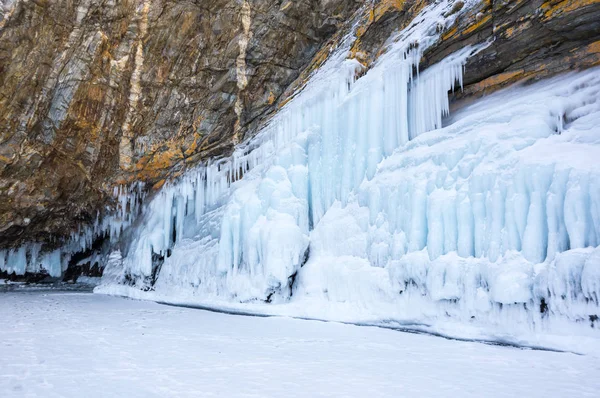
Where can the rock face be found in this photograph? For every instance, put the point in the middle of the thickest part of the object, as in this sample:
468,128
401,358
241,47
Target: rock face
530,39
99,93
96,93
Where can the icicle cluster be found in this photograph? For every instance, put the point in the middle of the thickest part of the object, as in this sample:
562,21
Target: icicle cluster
34,258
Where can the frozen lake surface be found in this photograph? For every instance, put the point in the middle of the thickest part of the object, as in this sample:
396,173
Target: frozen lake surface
74,344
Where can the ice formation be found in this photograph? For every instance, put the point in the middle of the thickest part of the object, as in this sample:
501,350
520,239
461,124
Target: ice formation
494,216
364,192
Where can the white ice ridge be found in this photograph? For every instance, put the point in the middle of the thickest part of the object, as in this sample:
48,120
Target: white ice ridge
360,194
35,258
252,213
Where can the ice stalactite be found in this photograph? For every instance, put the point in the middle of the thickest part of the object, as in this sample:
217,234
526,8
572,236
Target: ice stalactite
36,258
501,183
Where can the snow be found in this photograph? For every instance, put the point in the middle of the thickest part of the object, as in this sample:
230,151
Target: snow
60,344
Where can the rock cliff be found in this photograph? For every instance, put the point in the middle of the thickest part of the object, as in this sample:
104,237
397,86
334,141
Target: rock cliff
95,94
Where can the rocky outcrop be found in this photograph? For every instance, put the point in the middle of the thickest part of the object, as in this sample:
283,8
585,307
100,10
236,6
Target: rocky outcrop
530,39
97,93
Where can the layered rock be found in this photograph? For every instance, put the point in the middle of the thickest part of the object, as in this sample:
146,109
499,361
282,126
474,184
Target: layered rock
529,40
95,94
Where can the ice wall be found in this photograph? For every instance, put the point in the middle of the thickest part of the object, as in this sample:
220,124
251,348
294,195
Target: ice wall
493,218
363,192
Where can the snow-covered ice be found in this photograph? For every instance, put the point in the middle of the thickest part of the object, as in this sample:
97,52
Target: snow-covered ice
58,344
